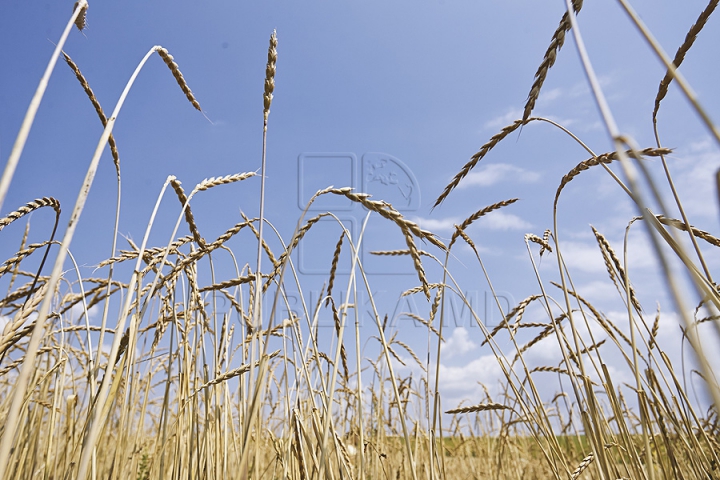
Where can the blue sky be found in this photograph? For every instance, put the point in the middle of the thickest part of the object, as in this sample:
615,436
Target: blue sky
419,84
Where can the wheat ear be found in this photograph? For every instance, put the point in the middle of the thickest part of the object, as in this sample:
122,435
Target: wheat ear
98,109
21,254
558,39
189,217
482,407
270,70
81,20
518,310
480,213
494,140
583,465
333,267
543,242
680,54
175,70
712,240
612,260
605,158
30,207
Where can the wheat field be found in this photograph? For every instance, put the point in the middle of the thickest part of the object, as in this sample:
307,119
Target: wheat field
164,365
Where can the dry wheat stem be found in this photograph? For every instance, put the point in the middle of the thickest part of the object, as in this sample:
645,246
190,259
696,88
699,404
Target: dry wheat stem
22,136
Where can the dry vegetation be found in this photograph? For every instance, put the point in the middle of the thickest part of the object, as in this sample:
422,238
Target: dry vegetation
192,390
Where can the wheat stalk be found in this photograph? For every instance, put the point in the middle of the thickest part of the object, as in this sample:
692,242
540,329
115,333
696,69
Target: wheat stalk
21,139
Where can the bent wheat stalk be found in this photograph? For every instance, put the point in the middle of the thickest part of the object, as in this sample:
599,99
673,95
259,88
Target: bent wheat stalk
22,136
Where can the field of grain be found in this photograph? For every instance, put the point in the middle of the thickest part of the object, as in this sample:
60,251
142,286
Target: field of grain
186,372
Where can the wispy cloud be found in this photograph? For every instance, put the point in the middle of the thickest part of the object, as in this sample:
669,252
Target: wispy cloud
504,221
497,220
694,175
510,115
492,174
437,224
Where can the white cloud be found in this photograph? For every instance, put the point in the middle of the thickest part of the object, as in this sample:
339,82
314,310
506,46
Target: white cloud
497,220
458,344
504,221
493,174
463,380
582,256
438,224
